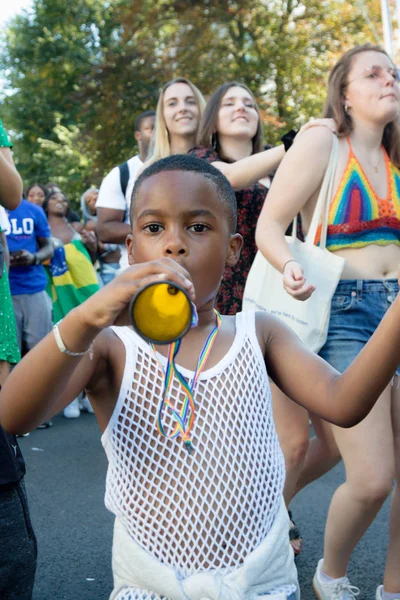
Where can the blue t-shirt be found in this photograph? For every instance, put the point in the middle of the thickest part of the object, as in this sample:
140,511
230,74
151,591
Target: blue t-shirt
27,223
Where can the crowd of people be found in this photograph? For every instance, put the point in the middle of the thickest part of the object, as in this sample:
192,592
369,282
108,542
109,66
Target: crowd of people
192,207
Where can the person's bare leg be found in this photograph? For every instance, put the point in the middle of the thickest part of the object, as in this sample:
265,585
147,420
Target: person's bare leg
391,582
291,422
322,455
306,460
367,452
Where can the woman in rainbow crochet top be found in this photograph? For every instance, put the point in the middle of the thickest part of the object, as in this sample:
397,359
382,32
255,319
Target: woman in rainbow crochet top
363,228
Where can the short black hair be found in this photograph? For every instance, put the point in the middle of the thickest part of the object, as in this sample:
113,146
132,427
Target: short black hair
187,162
144,115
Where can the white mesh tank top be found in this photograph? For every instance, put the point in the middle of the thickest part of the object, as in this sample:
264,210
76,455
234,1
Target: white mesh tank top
209,509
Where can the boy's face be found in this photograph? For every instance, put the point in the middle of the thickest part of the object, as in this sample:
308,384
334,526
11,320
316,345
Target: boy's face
178,215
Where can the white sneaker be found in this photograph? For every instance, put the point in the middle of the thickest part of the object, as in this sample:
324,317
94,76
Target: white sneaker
86,406
338,589
72,411
379,592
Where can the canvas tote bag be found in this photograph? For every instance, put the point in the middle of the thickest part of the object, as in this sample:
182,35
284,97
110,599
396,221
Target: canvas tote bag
323,269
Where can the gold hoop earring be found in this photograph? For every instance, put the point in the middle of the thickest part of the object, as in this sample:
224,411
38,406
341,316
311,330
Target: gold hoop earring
346,109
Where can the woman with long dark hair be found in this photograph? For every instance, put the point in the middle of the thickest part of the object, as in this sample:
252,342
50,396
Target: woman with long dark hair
231,137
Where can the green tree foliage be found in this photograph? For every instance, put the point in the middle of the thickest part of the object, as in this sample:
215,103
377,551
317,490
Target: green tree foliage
282,49
69,150
80,72
45,57
126,78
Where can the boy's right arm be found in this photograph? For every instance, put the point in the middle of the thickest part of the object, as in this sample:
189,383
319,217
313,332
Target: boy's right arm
35,386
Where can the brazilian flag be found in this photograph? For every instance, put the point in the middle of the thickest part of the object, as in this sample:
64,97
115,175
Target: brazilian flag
71,278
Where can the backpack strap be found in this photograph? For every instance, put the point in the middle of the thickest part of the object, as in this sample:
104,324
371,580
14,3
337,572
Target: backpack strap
123,176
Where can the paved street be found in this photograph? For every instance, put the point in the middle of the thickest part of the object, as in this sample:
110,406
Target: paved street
65,482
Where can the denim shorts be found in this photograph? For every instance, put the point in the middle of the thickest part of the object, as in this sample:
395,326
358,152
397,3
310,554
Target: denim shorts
357,308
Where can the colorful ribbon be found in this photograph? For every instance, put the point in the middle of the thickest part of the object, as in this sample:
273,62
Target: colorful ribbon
186,416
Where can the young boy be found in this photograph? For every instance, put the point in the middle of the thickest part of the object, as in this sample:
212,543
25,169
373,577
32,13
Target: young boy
210,524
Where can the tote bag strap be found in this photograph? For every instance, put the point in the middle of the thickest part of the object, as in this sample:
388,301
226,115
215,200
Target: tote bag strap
321,211
322,207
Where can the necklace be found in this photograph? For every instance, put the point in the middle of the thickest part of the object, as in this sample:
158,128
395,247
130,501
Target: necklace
375,167
186,415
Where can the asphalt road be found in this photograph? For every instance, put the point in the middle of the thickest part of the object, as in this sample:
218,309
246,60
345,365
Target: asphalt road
66,481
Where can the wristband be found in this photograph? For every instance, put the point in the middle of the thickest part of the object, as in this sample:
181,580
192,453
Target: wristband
60,344
36,260
288,138
287,262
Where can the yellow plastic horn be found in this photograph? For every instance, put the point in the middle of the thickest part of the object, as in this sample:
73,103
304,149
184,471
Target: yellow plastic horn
161,313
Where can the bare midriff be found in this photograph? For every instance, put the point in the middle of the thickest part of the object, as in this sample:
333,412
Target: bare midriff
371,262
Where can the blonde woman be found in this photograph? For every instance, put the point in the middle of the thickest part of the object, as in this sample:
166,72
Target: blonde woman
363,228
179,110
231,138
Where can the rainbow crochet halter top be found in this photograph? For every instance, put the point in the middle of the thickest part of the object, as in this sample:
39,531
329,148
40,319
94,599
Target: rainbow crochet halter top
357,216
